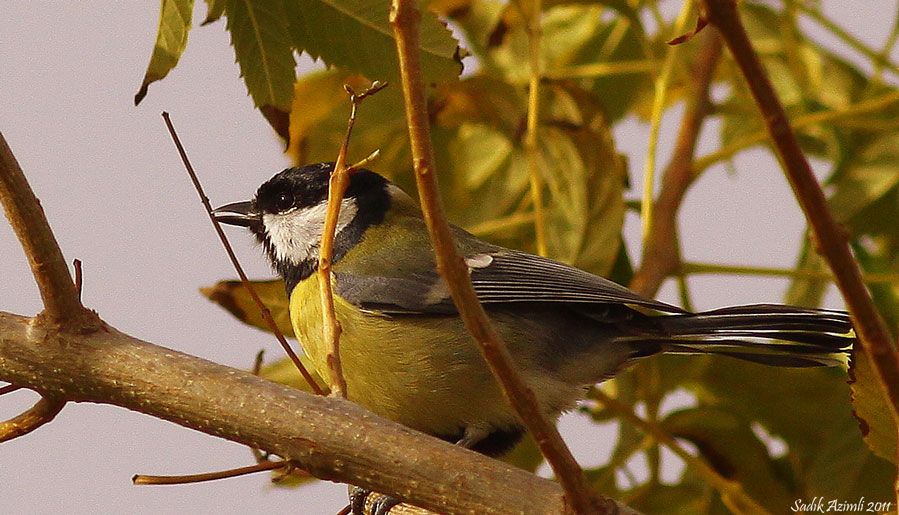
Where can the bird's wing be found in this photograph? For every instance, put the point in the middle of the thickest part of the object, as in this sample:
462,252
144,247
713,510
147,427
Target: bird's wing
499,276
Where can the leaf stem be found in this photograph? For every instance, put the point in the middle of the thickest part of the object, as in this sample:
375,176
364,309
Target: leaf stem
405,19
662,83
603,69
800,122
877,58
712,268
266,314
532,142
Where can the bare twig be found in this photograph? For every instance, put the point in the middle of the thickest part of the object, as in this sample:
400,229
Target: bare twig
405,19
662,82
337,185
23,209
661,256
732,492
9,389
266,314
830,237
826,275
141,479
43,411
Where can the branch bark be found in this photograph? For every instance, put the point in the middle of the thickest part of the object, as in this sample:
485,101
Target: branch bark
831,239
61,304
331,438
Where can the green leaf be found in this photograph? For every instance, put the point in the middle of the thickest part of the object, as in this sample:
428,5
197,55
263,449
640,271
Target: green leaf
864,179
235,299
171,39
261,43
214,10
356,35
726,441
285,372
807,408
872,410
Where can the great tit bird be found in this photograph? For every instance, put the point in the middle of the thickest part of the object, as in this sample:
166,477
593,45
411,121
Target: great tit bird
405,353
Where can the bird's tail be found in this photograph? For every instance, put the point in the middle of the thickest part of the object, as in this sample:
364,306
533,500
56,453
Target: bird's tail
771,334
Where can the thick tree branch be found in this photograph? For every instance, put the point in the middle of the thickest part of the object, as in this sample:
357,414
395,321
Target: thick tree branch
661,256
331,438
405,19
61,304
831,240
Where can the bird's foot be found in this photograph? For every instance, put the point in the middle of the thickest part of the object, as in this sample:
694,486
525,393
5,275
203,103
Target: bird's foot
380,506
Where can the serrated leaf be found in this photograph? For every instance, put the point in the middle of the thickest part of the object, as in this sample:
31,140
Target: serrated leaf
261,41
872,410
807,408
171,39
234,298
214,10
356,36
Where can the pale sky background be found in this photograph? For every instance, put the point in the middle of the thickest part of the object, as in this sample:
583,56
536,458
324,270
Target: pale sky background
117,198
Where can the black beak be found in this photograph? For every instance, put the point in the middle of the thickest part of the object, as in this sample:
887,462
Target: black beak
237,213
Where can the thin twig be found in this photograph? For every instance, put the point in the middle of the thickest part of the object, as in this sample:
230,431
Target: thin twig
266,314
43,411
876,58
532,142
23,209
800,122
337,185
732,492
824,275
661,254
141,479
831,238
405,19
662,82
603,69
9,389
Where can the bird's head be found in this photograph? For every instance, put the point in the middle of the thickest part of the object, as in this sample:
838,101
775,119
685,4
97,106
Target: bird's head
287,215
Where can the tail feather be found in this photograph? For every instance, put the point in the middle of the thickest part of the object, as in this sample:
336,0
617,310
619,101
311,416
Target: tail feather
763,333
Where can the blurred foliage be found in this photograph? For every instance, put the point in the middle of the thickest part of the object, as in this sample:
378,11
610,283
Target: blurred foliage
599,60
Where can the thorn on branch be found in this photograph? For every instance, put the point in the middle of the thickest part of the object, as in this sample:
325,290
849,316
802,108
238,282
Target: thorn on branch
701,21
266,314
43,411
79,277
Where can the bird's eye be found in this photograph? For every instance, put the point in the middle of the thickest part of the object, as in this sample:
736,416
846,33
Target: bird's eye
284,202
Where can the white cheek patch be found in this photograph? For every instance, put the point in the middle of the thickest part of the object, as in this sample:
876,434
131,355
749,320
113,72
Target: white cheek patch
296,235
